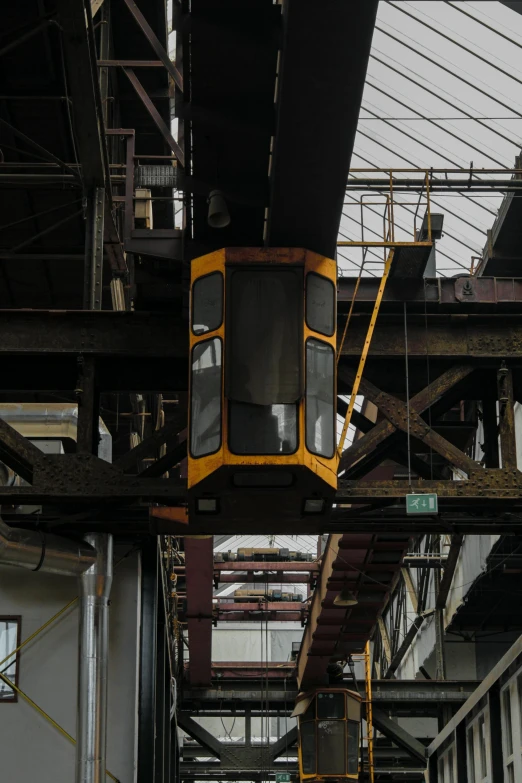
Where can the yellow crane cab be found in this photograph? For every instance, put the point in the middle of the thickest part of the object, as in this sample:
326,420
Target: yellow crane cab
262,414
328,725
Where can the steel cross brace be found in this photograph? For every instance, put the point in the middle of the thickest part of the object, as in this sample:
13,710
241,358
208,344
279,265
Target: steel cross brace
69,477
398,415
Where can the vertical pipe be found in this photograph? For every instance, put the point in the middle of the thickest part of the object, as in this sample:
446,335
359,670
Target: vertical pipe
91,730
148,663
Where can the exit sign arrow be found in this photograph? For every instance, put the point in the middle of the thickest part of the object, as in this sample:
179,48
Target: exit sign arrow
422,504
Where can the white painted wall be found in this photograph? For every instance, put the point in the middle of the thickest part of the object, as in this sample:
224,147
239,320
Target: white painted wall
32,749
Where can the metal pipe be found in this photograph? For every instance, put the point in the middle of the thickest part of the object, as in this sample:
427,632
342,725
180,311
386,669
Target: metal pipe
91,729
38,551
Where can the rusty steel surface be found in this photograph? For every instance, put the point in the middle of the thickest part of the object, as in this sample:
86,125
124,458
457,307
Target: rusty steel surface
252,565
465,294
334,632
198,614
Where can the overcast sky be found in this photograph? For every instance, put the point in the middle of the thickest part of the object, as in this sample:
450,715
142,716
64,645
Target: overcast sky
472,141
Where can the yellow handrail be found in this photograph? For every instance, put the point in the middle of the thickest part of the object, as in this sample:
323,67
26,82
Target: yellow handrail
369,711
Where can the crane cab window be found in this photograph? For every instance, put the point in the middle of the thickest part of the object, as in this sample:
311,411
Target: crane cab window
262,429
320,398
330,705
205,398
264,329
207,303
320,304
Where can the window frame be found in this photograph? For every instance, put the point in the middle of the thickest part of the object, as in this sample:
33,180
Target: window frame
194,284
474,726
14,618
334,416
513,759
334,318
447,764
230,445
191,418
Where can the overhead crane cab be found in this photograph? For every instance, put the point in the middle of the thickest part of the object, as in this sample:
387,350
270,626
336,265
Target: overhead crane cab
262,439
328,734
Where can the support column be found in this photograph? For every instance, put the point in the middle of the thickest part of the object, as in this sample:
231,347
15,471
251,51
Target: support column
506,423
439,627
91,729
93,268
148,663
495,735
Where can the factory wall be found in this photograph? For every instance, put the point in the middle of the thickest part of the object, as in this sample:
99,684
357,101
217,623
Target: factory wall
247,642
463,660
31,748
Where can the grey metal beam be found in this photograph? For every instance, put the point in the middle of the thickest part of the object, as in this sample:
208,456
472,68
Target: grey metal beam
403,649
515,5
449,570
17,452
514,652
130,460
79,62
400,736
283,744
201,735
317,68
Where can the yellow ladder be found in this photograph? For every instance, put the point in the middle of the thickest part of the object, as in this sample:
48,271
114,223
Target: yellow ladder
365,350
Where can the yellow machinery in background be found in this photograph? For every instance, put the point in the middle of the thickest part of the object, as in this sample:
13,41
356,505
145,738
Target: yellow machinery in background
328,734
262,419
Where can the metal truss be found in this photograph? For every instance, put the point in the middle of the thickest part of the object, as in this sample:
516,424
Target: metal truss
417,595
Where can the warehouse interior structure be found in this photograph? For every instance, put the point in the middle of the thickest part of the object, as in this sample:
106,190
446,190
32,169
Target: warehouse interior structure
261,391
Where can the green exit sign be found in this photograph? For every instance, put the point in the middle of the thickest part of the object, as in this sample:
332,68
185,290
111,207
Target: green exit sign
283,777
422,504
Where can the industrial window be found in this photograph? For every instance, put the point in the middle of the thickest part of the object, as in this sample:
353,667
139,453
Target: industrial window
262,429
331,740
477,742
446,766
10,629
470,747
308,752
330,705
320,304
207,303
507,728
482,741
320,398
353,747
205,398
264,335
511,715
